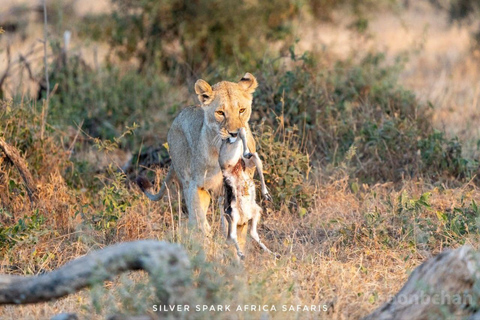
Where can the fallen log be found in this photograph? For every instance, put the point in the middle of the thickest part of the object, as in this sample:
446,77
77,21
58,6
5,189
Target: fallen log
14,157
441,288
166,263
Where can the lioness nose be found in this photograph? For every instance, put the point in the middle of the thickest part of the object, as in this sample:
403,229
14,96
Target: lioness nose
233,134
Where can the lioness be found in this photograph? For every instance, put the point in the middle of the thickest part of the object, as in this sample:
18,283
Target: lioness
194,141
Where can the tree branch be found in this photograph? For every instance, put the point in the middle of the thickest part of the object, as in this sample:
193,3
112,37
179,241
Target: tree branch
166,263
440,288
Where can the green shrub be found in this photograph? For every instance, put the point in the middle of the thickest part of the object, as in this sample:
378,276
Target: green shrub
460,222
108,100
21,126
115,198
358,105
439,154
28,229
193,35
413,222
286,168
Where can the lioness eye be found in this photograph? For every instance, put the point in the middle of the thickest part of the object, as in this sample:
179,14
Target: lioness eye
220,113
242,110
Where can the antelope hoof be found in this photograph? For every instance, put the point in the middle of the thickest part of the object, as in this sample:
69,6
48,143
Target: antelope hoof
267,197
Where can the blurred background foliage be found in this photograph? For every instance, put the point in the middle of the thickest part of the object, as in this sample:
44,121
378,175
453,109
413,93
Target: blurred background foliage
194,37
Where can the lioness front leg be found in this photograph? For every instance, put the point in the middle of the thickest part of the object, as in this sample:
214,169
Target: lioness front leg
242,238
198,200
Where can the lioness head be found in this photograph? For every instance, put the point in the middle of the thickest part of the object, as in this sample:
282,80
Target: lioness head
227,105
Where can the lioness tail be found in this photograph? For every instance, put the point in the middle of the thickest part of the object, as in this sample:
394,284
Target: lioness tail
145,185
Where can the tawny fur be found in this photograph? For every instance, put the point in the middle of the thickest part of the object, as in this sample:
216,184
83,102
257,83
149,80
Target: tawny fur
194,141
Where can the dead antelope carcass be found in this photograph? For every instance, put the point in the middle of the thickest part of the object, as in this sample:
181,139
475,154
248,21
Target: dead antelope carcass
240,206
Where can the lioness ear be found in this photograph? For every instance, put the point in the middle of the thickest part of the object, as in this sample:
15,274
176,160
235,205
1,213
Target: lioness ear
248,82
204,91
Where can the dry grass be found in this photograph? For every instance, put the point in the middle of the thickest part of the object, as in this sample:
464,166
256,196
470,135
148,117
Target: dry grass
351,272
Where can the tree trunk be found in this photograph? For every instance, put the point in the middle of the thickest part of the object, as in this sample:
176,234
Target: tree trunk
166,263
443,287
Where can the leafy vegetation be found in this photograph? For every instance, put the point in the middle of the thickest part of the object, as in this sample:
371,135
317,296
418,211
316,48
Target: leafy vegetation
191,37
28,229
362,181
360,107
416,224
286,168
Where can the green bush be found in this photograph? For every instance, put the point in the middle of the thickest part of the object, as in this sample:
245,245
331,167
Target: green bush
461,221
358,106
286,168
108,100
28,229
439,154
413,222
114,199
196,36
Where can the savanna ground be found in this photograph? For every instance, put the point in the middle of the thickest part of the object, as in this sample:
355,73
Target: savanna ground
366,118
